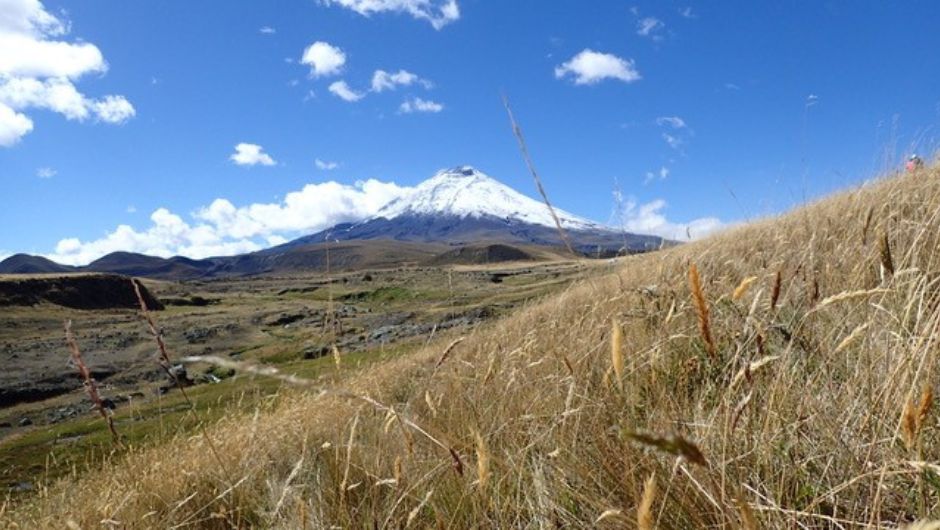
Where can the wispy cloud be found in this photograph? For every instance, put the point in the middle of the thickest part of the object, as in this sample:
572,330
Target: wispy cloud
251,155
590,67
677,131
674,141
420,105
267,30
649,26
662,174
672,121
343,91
438,13
325,165
382,80
686,12
46,172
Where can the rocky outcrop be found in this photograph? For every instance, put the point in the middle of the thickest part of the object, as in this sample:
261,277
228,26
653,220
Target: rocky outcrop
77,291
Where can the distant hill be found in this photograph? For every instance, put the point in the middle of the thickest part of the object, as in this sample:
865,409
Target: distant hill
27,264
483,254
458,207
131,264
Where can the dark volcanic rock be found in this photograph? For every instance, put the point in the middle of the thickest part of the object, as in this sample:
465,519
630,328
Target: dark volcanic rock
78,291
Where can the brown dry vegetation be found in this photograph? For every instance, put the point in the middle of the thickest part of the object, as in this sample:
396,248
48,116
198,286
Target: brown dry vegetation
810,409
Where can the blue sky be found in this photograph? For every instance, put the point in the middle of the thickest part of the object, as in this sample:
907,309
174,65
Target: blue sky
197,127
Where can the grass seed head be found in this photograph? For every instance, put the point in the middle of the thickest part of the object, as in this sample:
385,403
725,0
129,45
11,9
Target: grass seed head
645,519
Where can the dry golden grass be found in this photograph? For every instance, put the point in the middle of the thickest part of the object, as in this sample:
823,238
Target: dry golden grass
813,412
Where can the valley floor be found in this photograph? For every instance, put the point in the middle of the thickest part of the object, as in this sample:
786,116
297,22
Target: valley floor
290,323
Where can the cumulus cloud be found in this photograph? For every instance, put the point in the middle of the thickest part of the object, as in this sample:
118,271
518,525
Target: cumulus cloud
343,91
222,228
251,155
46,172
649,218
326,165
420,105
39,70
168,235
649,26
438,13
382,80
113,109
13,126
323,59
590,67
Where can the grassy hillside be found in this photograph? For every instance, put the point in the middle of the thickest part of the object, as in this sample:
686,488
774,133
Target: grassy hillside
792,389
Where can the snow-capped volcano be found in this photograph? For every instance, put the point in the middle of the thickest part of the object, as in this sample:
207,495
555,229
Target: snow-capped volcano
463,205
467,192
459,207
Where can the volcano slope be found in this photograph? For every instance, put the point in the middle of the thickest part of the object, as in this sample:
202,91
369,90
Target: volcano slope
809,405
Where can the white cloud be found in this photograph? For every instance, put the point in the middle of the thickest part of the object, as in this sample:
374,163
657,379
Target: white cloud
686,12
267,30
27,55
679,131
168,235
438,12
131,209
221,228
251,155
647,27
326,165
343,91
673,121
46,172
13,126
382,80
674,141
39,71
662,174
113,109
420,105
590,67
649,219
324,59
